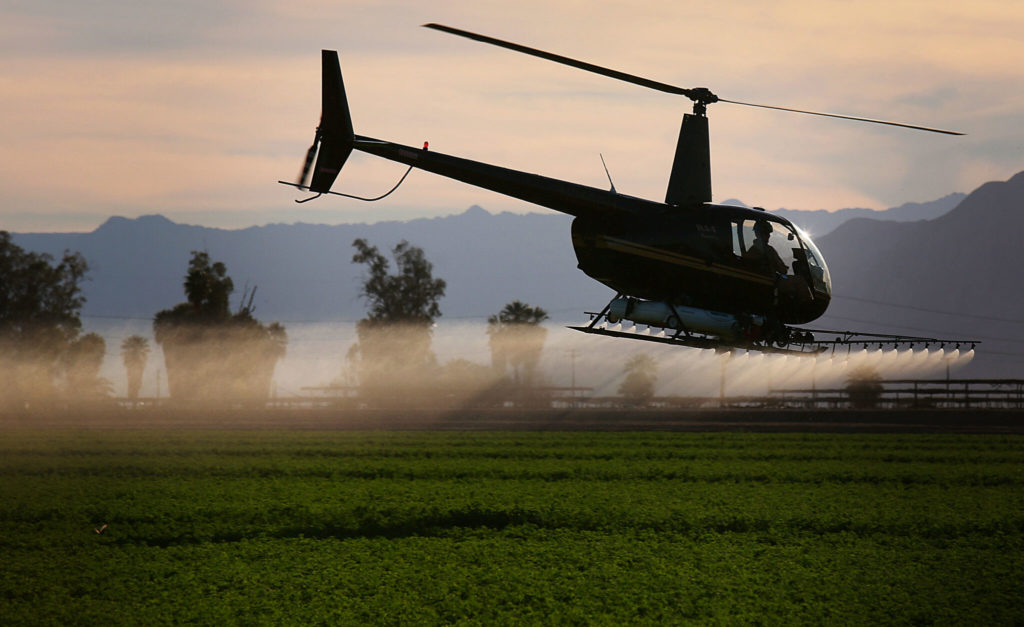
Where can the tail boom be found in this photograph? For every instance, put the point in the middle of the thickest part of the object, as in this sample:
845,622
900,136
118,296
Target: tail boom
571,198
336,139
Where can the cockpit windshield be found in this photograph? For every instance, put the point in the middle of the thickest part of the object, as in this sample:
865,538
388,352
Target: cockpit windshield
780,249
819,271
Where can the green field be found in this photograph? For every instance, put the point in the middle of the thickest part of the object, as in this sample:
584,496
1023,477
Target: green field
481,528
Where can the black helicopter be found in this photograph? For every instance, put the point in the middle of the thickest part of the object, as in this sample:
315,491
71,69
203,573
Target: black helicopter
704,275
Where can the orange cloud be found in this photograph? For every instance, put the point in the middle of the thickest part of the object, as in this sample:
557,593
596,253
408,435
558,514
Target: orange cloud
209,119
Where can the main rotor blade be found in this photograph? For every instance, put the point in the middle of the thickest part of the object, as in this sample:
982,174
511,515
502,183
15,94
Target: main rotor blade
557,58
844,117
695,94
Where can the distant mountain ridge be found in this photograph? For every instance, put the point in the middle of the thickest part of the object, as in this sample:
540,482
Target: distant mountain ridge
955,276
820,222
305,271
968,258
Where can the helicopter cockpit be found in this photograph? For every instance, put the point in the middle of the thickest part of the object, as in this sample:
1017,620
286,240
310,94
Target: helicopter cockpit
792,254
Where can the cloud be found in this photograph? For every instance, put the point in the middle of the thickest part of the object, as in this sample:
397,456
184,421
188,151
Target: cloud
112,26
202,106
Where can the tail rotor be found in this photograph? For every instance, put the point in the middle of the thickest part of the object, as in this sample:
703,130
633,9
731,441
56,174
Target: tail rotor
334,137
307,167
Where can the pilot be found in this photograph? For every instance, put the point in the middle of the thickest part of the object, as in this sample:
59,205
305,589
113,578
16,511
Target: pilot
761,251
792,288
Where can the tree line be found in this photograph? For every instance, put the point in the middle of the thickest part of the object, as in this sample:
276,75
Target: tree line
392,364
43,352
212,353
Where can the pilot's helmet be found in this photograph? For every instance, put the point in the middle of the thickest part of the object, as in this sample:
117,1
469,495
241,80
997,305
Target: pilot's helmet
761,227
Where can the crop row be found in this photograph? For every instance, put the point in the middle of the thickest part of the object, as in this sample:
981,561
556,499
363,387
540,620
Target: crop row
41,511
546,577
517,445
509,528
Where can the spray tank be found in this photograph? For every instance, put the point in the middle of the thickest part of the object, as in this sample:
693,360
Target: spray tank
685,319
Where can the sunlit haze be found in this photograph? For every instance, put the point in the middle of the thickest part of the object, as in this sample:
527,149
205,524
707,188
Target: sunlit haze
316,352
195,109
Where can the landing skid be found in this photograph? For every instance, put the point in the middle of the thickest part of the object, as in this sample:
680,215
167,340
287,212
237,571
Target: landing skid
801,342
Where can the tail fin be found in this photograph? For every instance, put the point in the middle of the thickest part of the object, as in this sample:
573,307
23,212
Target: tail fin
690,182
335,133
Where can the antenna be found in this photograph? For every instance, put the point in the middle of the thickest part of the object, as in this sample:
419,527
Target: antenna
610,182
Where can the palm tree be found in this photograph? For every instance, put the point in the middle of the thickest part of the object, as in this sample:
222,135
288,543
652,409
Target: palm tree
517,339
134,351
518,312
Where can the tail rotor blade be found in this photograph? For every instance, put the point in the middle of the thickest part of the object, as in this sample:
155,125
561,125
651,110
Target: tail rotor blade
308,165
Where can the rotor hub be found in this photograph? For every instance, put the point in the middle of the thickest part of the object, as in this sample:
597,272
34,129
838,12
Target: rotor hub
702,97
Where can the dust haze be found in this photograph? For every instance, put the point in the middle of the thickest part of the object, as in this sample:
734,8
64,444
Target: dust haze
317,357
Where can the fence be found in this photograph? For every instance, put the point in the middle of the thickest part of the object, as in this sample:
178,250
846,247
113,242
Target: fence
894,394
914,393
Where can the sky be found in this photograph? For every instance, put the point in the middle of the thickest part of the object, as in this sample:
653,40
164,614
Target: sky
195,108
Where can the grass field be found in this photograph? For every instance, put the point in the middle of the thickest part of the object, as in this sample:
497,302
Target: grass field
483,528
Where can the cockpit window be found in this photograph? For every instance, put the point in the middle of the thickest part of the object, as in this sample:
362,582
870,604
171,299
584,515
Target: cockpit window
752,239
796,253
819,271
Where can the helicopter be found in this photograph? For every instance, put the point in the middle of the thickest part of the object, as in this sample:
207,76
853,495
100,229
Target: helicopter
692,272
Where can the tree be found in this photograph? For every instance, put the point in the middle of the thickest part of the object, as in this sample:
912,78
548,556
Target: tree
517,339
81,366
641,375
411,296
210,353
40,301
864,387
392,354
208,287
134,353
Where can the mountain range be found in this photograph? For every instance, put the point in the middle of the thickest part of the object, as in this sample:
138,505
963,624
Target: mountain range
304,272
822,222
957,275
948,267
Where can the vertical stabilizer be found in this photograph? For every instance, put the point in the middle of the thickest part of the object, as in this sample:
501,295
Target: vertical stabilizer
690,182
335,133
